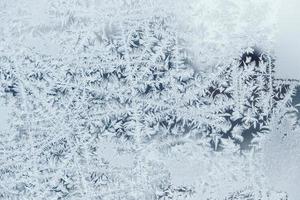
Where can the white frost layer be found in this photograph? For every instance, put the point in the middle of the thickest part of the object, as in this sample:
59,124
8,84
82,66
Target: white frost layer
282,157
215,32
4,116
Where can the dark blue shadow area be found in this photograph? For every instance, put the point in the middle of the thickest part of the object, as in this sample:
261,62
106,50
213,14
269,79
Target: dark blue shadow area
296,98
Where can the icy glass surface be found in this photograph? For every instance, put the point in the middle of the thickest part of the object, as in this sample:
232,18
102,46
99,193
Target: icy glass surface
146,100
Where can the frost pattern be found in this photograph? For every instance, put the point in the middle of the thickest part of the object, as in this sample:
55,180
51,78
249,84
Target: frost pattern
110,100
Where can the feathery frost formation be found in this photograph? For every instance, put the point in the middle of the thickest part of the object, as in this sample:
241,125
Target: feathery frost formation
137,100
